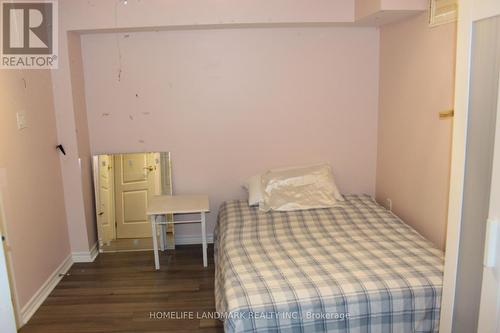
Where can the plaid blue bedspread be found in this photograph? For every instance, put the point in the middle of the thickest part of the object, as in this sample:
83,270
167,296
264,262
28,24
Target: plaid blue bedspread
352,268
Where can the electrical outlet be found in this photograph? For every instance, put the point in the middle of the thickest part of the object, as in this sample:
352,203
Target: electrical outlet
388,203
21,120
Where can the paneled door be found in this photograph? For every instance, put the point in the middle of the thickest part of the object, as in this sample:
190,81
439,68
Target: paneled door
134,185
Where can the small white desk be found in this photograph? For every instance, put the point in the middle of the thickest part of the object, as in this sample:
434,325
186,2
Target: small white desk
177,204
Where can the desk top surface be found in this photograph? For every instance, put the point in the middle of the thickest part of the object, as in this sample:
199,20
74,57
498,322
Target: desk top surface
178,204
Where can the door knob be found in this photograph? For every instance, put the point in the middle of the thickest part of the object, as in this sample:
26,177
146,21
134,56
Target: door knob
149,168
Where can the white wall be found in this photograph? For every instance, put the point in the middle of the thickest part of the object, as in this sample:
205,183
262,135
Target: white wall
229,103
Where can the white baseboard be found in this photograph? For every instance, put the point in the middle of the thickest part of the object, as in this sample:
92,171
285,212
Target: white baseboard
39,297
86,256
192,239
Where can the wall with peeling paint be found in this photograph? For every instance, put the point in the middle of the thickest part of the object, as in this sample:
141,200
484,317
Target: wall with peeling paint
230,103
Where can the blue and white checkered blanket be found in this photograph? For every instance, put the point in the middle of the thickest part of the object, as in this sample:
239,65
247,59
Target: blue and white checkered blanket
352,268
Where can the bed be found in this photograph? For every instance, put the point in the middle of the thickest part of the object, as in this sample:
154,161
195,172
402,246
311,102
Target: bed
355,267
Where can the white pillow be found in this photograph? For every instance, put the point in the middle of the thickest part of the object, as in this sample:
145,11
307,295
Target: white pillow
253,185
305,167
299,188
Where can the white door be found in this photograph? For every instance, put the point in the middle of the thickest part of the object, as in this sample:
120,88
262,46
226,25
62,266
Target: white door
134,185
7,318
485,308
8,321
489,310
106,209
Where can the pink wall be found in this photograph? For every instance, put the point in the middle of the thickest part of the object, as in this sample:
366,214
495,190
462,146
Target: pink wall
380,8
30,180
113,15
414,146
109,14
72,131
82,135
84,15
230,103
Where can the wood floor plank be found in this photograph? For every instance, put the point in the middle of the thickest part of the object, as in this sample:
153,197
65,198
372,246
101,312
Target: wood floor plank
121,292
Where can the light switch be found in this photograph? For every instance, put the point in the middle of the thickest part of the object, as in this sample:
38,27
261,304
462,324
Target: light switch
21,120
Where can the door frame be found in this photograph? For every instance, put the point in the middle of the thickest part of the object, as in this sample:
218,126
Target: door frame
97,196
470,11
7,256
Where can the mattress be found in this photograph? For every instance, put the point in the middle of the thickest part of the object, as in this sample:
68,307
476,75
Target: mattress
355,267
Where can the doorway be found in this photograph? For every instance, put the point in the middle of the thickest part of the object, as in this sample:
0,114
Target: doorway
124,184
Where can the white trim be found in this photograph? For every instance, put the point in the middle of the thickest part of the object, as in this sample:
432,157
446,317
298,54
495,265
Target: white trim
457,173
436,19
8,253
8,323
485,9
39,297
86,256
192,239
469,12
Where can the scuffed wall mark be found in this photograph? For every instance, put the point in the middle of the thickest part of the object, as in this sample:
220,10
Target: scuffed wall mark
146,113
119,49
140,141
137,95
106,114
117,38
131,117
25,92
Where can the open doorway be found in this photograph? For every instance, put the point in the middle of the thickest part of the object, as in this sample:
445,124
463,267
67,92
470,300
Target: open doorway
124,183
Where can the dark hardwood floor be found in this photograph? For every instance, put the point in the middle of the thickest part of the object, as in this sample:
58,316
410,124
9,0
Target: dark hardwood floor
119,292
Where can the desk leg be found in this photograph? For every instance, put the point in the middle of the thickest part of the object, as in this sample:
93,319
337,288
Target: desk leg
162,237
204,239
152,218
